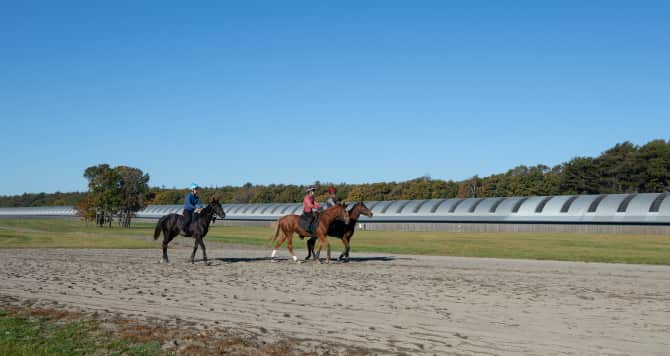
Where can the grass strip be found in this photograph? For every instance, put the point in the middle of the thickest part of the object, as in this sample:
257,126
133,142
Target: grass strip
22,335
613,248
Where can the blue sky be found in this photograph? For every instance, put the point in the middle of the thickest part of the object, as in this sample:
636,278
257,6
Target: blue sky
223,93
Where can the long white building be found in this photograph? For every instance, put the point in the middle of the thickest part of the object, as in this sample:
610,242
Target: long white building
607,213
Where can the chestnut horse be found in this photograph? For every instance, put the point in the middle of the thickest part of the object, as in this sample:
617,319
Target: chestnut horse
288,225
342,230
169,226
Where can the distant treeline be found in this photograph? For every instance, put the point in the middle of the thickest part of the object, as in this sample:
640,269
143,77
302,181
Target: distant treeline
41,199
624,168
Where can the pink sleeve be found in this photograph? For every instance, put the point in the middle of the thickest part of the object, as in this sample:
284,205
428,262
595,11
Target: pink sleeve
308,205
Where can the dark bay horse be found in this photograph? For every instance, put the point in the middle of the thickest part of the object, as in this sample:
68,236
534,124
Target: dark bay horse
343,230
289,225
169,225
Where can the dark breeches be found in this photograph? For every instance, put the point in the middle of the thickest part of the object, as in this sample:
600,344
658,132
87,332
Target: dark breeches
188,217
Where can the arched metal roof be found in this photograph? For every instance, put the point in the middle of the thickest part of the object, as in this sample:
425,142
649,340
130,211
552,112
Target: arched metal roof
645,208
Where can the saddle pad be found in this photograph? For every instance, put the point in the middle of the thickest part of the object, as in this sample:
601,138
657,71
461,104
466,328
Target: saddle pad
303,222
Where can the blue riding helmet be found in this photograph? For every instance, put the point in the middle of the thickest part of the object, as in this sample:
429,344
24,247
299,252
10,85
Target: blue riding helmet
311,189
193,186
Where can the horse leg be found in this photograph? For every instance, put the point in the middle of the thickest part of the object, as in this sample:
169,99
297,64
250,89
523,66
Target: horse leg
328,247
318,247
201,242
324,240
166,240
165,258
347,246
344,242
310,247
290,249
195,248
278,244
317,254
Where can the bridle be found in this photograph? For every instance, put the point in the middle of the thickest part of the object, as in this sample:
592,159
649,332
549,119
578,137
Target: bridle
215,214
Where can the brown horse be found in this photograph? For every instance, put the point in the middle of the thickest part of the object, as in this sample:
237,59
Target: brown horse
342,230
288,225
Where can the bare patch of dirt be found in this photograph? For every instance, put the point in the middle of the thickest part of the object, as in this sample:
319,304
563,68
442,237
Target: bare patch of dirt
389,304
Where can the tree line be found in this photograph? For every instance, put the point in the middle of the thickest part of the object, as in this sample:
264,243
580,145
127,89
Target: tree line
624,168
41,199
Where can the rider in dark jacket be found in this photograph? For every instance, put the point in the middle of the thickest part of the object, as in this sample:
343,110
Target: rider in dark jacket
191,204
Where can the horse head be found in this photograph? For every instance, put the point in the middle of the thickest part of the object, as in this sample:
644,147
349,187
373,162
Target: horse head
360,208
217,209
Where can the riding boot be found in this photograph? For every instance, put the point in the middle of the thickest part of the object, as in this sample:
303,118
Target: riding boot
183,230
188,217
312,228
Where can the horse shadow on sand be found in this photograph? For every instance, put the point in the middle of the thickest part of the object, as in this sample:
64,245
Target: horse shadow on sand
237,259
287,259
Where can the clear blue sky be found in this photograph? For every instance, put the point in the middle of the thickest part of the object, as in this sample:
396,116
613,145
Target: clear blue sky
223,93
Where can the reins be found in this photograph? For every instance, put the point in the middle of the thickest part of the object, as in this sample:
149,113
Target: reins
208,210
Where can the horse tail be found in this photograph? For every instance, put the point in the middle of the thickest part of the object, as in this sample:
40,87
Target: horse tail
157,230
276,233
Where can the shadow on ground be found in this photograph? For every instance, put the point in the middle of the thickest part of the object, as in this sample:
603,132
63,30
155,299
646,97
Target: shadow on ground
284,259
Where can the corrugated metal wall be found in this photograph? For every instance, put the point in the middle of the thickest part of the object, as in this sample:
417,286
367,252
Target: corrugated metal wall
614,213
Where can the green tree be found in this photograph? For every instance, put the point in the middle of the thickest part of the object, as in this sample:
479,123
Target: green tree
580,177
619,169
86,209
134,189
116,190
103,186
655,170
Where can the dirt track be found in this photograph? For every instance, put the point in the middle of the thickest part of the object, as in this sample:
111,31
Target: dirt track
388,303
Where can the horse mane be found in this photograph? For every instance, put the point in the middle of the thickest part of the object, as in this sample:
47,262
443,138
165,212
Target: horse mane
354,207
206,210
331,210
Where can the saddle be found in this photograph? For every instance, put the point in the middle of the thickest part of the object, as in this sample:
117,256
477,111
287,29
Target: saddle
304,222
180,223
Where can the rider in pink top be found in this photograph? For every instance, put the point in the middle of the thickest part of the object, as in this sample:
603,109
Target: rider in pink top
309,207
308,204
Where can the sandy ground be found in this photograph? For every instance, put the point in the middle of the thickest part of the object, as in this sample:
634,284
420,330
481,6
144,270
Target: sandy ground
378,303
